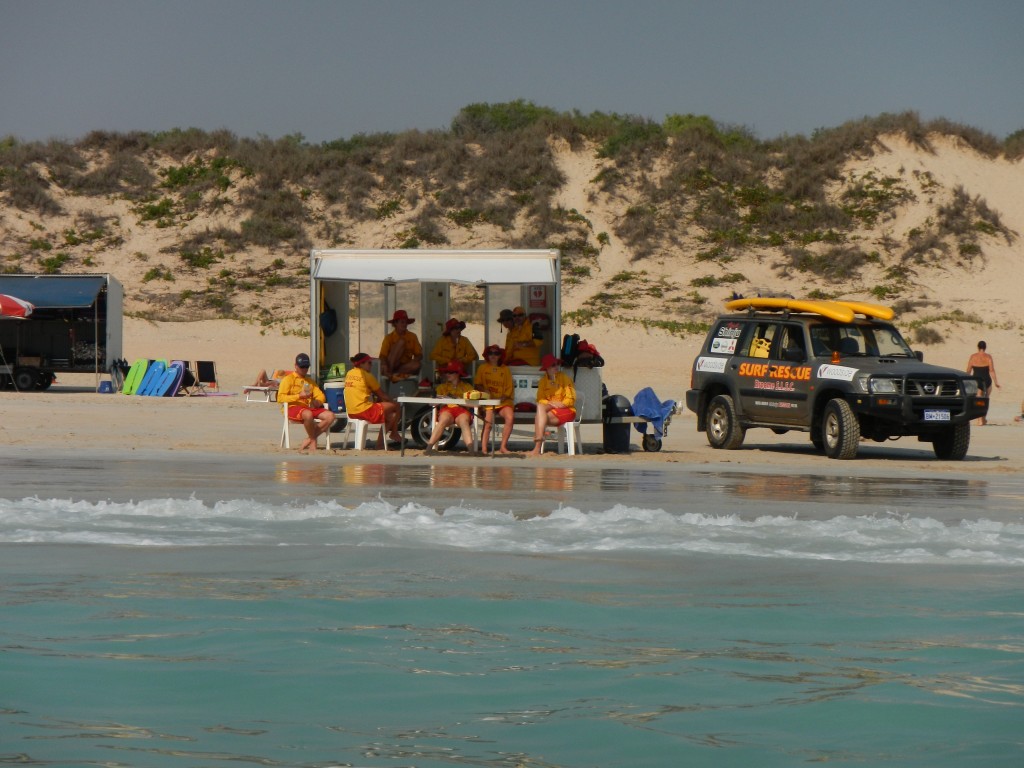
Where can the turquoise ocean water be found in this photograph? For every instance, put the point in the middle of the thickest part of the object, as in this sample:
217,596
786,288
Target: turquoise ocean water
174,612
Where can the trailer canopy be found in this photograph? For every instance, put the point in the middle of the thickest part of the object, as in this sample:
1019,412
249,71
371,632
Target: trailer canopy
54,291
463,267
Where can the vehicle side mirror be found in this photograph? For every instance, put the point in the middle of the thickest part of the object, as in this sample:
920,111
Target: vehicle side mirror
919,355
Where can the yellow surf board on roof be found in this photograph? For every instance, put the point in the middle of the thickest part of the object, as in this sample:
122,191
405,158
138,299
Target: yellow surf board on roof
868,309
830,309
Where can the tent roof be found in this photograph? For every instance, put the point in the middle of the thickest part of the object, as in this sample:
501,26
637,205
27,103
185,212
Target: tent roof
498,267
54,291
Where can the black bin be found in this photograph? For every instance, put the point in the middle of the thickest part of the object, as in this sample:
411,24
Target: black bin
616,436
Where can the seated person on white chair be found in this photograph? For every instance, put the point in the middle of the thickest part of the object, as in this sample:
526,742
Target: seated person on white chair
365,400
306,402
454,387
556,398
494,378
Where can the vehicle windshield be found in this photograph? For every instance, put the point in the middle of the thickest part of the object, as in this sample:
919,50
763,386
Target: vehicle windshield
849,339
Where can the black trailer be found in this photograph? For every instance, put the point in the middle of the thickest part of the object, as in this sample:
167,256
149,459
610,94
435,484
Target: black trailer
76,327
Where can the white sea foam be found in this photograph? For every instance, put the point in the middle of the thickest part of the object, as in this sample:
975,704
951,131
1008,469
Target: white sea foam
881,538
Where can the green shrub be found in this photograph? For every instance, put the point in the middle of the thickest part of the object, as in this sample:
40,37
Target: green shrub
157,273
204,258
52,265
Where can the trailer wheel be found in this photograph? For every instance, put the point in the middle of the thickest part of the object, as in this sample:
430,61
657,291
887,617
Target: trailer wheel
25,378
651,443
45,380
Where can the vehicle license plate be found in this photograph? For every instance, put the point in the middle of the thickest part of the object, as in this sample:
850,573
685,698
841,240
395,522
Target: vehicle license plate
936,415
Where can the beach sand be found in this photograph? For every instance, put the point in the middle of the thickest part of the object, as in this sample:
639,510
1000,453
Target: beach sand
71,416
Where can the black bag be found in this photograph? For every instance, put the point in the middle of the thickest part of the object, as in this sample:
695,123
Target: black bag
328,320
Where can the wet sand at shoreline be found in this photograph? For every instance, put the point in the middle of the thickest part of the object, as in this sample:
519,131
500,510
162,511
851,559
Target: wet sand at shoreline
111,447
83,422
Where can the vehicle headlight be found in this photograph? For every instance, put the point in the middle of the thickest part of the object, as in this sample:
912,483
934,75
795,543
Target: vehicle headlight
970,387
883,387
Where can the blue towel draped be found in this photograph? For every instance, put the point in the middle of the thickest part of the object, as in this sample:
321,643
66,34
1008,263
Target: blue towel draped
647,405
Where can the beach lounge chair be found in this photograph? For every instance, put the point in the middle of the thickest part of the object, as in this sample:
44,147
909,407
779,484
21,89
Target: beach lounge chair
569,433
265,394
206,378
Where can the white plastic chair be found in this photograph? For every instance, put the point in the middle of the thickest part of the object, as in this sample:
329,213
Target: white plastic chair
360,427
286,441
569,433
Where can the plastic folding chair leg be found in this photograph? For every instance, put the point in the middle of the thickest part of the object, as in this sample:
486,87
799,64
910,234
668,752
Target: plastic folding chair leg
286,440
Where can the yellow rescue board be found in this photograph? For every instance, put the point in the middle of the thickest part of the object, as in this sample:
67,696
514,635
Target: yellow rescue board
830,309
869,310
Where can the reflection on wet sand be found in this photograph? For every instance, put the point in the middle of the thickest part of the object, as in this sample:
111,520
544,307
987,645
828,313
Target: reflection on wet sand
531,490
483,477
824,487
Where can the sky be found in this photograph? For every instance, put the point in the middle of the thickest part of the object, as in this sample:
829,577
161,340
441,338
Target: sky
329,70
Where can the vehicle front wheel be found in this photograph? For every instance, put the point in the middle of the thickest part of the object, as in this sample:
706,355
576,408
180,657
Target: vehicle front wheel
724,429
840,430
953,443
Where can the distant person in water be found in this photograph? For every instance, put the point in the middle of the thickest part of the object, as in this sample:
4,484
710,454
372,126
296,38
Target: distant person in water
983,368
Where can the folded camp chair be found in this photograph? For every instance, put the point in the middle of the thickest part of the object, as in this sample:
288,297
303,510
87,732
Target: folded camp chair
206,377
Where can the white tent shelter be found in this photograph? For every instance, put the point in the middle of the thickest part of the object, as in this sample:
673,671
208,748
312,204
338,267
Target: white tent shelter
364,287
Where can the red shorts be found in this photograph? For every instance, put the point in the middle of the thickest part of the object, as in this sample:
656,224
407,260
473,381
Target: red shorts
295,411
455,410
562,415
374,414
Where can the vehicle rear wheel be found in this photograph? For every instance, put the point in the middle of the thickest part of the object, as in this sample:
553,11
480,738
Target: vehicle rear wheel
953,443
724,429
25,378
840,430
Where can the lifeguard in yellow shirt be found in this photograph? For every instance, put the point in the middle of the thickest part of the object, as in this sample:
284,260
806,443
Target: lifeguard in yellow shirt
453,387
305,401
556,400
454,346
494,378
521,348
400,352
365,400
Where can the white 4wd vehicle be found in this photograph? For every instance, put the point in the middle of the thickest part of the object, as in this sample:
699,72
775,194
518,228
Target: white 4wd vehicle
837,370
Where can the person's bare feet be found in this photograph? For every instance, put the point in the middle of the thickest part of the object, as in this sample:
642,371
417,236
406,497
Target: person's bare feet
308,444
504,449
